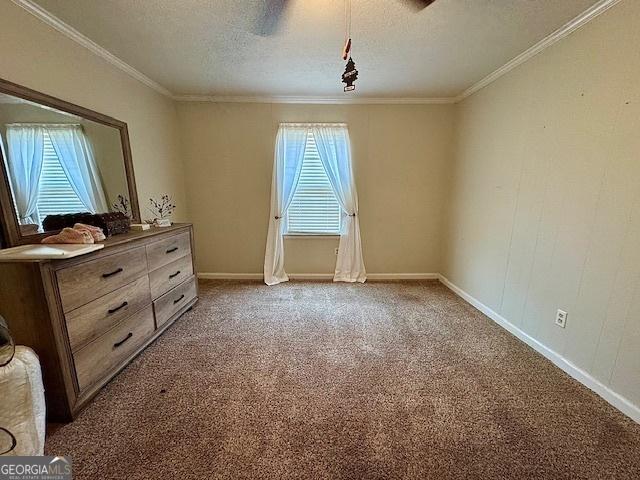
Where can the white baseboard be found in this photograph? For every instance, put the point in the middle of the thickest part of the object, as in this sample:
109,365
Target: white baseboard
230,276
403,276
615,399
310,276
318,276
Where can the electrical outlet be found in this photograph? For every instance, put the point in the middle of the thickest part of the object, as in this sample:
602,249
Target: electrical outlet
561,318
336,250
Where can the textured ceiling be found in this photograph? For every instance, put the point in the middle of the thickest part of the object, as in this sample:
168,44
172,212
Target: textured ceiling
205,47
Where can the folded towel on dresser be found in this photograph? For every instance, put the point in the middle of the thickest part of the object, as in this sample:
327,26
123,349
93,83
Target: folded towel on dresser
96,232
80,233
70,235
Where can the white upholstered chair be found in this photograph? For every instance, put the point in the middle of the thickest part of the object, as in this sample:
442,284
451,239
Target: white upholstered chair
22,407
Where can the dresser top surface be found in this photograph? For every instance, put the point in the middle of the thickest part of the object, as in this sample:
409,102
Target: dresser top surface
137,235
113,241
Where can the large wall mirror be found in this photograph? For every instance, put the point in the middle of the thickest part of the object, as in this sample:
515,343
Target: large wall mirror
58,158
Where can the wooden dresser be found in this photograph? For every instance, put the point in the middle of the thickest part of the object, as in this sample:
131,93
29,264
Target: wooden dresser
87,317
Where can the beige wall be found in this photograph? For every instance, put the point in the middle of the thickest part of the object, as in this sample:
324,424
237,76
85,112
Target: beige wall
400,152
545,200
37,56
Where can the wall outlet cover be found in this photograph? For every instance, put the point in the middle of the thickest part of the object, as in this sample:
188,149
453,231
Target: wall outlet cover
561,318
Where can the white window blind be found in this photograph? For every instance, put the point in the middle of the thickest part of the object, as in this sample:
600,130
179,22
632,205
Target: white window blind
314,208
56,194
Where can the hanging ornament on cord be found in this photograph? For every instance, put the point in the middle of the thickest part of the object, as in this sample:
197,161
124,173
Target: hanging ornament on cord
350,74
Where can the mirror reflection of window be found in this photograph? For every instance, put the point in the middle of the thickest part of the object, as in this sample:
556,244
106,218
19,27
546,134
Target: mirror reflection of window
53,171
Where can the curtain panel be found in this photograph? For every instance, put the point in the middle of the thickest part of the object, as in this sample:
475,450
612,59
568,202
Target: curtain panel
26,154
334,148
291,142
78,162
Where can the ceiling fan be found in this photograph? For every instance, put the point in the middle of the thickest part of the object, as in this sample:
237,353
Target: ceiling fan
273,11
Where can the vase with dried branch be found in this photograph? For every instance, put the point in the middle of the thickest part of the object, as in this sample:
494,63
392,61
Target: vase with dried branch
162,209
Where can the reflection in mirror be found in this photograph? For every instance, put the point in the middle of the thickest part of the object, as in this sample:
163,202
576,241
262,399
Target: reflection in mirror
58,162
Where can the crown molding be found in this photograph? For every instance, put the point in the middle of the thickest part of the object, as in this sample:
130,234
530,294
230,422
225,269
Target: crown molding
577,22
67,30
315,100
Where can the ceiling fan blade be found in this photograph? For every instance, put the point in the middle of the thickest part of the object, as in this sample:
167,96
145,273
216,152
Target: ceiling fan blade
419,4
270,16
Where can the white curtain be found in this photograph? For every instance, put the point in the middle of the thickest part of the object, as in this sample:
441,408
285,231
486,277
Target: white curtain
76,157
291,142
335,153
26,152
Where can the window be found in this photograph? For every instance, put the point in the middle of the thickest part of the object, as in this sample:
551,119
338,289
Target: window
314,209
56,194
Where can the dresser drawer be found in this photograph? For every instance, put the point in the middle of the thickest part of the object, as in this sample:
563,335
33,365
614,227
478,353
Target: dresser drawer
170,303
168,250
87,281
112,349
170,276
88,322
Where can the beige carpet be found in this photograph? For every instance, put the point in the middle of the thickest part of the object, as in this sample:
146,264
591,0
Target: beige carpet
322,380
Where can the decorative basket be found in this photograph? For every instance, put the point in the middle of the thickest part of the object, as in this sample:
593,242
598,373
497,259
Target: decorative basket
111,223
60,221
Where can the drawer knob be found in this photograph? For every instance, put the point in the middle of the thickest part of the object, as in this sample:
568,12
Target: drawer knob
174,274
171,250
114,310
110,274
179,299
117,344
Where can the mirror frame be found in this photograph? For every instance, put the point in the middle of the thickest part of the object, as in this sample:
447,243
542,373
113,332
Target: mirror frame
10,226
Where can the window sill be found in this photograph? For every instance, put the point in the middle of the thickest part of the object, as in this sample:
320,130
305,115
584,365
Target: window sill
311,235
